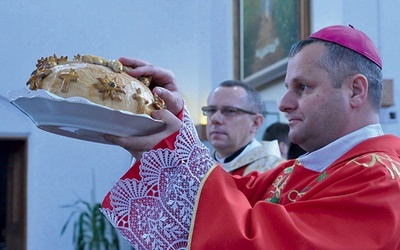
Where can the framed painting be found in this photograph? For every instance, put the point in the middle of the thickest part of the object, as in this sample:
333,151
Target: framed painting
265,32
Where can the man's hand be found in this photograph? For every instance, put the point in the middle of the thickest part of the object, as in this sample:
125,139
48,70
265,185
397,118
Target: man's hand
136,145
164,84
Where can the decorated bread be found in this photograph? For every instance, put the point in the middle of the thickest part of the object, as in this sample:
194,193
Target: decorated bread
101,81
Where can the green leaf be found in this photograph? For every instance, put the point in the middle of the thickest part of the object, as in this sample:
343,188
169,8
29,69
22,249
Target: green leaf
91,229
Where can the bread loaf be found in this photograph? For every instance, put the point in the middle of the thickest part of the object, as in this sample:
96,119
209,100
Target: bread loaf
101,81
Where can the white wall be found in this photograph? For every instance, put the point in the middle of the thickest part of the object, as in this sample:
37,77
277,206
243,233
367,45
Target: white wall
193,38
178,35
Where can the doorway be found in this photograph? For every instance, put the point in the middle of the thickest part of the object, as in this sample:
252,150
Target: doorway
13,175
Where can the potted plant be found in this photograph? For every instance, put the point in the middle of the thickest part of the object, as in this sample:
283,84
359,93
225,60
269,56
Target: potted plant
92,230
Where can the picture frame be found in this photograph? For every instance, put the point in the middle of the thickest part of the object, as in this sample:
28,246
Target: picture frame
265,30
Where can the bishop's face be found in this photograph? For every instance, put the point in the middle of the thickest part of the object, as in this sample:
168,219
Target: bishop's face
317,112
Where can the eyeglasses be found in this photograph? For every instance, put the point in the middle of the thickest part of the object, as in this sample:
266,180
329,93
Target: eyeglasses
225,110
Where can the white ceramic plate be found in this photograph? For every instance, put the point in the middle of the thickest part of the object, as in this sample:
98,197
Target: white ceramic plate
78,118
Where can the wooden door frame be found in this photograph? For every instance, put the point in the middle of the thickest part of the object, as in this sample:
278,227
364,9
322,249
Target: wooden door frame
16,190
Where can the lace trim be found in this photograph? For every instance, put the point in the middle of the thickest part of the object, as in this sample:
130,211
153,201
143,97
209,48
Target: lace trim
156,212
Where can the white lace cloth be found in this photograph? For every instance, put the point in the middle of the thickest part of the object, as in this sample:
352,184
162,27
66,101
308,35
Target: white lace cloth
156,212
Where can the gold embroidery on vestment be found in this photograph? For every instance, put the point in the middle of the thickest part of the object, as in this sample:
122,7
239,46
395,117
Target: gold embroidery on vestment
393,168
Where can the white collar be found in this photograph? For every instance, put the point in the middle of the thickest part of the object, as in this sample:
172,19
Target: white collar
254,143
337,148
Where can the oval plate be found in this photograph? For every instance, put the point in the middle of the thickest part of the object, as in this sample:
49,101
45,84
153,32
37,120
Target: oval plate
83,120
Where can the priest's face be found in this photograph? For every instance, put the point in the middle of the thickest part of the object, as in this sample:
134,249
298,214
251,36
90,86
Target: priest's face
317,112
227,130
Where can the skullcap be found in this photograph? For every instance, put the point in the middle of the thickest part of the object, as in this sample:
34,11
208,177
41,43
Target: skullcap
351,38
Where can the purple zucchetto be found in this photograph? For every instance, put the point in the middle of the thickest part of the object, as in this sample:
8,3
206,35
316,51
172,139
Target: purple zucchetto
350,38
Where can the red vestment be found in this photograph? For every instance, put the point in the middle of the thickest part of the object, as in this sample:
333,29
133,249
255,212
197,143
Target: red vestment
177,197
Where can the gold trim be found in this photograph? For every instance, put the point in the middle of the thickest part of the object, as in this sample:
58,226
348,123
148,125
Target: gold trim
196,204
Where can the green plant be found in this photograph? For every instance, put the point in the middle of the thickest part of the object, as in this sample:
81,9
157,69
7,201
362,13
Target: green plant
92,230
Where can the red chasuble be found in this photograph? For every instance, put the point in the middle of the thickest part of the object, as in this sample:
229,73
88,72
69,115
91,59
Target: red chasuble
176,197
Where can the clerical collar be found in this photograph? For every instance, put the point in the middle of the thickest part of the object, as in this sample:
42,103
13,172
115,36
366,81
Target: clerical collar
231,157
337,148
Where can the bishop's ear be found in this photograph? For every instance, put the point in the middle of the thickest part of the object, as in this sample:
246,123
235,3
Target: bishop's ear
359,88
